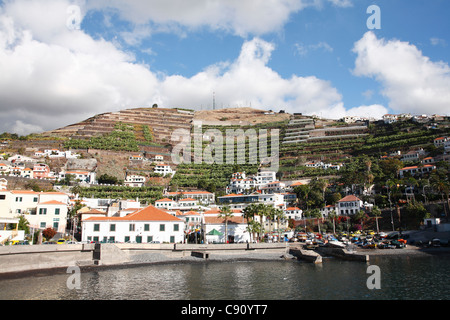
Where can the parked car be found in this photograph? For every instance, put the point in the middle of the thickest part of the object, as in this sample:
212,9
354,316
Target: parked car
21,243
61,241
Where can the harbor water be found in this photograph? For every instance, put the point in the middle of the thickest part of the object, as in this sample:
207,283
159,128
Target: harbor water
403,278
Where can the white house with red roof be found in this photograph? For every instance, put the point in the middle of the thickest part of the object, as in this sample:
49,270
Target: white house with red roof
146,225
294,213
41,209
236,229
416,170
166,203
349,205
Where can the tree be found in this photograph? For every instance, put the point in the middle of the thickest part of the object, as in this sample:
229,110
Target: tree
278,214
107,179
225,213
49,233
377,213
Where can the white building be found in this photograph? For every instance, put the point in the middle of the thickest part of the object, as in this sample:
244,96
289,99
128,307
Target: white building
81,176
41,209
163,169
349,205
236,229
143,226
203,197
293,213
134,181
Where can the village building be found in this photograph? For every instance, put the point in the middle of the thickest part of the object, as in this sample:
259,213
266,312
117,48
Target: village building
163,169
214,228
416,170
134,181
293,213
349,205
146,225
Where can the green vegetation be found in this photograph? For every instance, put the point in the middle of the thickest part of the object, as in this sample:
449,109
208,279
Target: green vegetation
144,194
122,138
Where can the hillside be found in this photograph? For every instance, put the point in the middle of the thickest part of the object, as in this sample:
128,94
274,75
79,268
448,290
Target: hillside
305,142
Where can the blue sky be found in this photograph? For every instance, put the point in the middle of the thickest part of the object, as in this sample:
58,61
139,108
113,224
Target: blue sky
311,56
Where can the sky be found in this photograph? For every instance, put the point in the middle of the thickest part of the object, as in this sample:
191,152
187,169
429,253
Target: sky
63,61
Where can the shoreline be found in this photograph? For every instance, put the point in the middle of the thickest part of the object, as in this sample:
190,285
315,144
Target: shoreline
160,259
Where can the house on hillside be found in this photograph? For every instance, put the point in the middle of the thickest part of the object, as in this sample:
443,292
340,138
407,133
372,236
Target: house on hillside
134,181
163,169
416,170
146,225
349,205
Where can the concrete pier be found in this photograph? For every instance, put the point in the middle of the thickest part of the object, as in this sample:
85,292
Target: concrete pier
307,255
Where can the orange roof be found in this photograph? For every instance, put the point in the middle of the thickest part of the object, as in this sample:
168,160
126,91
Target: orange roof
165,200
149,213
217,211
292,209
298,183
217,220
189,213
187,199
349,198
53,202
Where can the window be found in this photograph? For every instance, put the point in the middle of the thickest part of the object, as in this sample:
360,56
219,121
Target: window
2,197
42,211
112,227
43,225
18,199
162,227
172,239
57,211
97,227
112,239
127,238
176,227
35,199
149,239
132,226
18,211
146,227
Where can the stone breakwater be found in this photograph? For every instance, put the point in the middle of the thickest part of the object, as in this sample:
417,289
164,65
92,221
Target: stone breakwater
23,259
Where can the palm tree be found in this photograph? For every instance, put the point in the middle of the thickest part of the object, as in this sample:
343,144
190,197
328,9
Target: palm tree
443,188
249,214
225,213
278,214
377,213
333,217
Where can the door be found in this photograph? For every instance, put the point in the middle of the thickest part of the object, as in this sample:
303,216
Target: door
139,239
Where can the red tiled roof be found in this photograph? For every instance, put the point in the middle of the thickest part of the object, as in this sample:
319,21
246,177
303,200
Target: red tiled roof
149,213
53,202
165,200
349,198
217,220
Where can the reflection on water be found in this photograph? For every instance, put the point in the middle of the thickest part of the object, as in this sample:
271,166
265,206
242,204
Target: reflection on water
401,278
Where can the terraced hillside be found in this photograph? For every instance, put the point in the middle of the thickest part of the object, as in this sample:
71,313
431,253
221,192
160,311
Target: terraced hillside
160,122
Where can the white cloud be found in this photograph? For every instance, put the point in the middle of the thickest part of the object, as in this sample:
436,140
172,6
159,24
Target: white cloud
303,50
411,81
438,42
241,17
52,76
